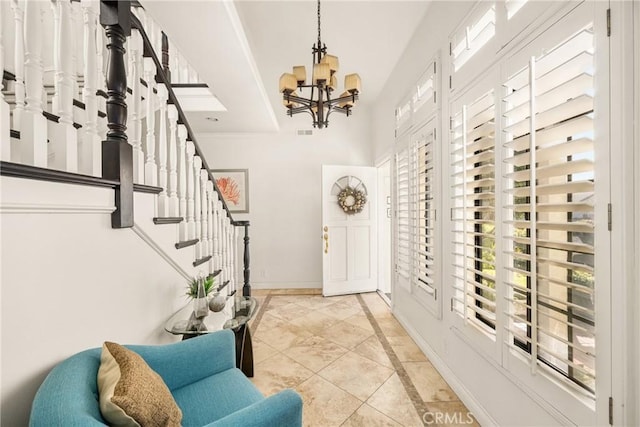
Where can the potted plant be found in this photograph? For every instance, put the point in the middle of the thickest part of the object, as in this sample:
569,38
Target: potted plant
207,283
199,289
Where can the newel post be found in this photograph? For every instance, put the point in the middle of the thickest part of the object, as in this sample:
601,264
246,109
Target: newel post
246,289
117,153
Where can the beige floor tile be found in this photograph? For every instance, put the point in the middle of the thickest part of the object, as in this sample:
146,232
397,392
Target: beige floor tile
373,350
343,309
324,404
317,302
406,349
289,312
430,385
315,321
277,373
376,304
280,300
261,350
260,292
392,400
283,336
268,321
301,334
366,416
391,327
345,334
450,414
315,352
356,374
297,291
360,320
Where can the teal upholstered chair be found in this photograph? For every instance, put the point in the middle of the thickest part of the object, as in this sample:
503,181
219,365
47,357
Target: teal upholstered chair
200,373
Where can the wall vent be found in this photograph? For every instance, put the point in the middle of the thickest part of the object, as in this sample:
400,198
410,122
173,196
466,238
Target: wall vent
305,132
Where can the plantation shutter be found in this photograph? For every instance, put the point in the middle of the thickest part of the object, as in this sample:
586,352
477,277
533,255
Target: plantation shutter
469,39
473,209
403,218
513,6
423,209
424,99
550,190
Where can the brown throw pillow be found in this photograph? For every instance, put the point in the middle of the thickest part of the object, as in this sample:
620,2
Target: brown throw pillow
131,393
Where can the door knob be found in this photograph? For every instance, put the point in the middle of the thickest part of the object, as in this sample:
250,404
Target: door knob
326,242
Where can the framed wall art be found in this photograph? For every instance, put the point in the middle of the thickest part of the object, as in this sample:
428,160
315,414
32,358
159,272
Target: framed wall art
234,186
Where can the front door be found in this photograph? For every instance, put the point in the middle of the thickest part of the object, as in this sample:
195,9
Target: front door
349,229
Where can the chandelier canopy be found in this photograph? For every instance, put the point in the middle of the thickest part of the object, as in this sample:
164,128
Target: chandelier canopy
319,104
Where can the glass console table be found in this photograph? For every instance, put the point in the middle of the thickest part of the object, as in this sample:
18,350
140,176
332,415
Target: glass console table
237,312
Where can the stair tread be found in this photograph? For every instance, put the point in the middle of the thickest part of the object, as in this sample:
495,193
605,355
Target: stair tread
186,243
224,285
201,260
168,220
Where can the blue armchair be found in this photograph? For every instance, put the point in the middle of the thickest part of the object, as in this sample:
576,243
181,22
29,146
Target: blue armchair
200,373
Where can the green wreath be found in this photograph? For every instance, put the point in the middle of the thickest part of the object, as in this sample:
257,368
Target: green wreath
351,201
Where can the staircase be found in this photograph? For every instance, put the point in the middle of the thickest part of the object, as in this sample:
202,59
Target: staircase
76,108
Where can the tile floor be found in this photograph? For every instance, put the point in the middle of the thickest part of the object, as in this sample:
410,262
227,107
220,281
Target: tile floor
350,360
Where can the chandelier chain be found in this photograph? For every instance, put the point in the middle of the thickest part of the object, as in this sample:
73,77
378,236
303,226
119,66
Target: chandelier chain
318,24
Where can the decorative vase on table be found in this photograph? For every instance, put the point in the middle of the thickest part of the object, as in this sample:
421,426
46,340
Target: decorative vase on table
217,303
200,309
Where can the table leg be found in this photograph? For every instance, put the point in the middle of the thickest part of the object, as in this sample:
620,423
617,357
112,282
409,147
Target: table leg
244,350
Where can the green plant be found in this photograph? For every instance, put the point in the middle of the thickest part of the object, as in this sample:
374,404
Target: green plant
192,288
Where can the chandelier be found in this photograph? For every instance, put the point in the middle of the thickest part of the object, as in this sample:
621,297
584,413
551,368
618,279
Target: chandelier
319,104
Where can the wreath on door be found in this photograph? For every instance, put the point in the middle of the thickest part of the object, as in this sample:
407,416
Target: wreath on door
351,200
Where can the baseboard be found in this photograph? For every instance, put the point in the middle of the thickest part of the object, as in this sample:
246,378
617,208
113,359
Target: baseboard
478,411
286,285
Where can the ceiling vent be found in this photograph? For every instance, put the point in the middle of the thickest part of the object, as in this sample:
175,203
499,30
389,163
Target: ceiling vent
305,132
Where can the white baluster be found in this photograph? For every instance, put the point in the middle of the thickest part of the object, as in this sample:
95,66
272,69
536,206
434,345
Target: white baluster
213,198
90,148
191,229
18,63
64,137
182,180
174,205
101,83
33,132
150,167
177,67
5,125
216,235
229,251
204,206
197,202
225,247
135,106
232,257
163,198
222,246
55,7
173,61
236,257
78,53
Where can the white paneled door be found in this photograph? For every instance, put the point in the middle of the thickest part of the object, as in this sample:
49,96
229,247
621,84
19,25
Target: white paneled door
349,229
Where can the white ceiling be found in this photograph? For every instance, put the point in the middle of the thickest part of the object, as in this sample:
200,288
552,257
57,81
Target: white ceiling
240,48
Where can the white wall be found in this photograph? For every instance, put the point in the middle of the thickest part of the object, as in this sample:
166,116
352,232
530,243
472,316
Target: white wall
69,282
285,191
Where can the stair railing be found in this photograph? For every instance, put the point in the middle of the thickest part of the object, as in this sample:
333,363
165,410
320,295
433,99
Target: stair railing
47,133
206,214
